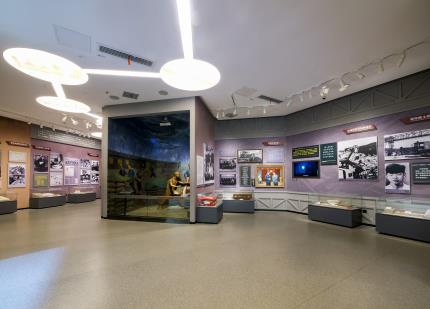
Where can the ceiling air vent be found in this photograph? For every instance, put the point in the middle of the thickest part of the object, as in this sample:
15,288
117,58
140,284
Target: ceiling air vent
269,99
124,55
130,95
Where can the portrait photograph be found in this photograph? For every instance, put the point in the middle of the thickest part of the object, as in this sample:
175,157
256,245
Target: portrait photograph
269,176
358,159
397,178
40,163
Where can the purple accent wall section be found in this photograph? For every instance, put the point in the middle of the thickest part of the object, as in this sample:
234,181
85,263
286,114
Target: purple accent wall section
205,133
329,182
67,151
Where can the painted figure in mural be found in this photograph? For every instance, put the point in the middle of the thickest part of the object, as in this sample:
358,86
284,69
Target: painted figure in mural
268,178
275,179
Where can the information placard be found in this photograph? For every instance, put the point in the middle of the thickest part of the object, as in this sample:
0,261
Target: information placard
421,173
306,152
328,154
245,175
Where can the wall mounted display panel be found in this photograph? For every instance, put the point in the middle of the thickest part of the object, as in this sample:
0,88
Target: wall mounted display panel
56,162
56,179
407,145
227,179
245,176
306,169
421,173
250,156
16,175
71,171
17,156
397,178
209,164
40,180
328,153
306,152
269,176
227,164
40,163
274,155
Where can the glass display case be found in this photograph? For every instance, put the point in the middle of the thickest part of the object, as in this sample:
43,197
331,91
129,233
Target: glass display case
47,197
335,201
8,202
238,201
209,207
81,194
238,195
81,190
208,199
405,207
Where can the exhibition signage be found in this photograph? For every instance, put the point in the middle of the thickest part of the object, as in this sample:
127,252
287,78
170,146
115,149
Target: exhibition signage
328,154
421,173
42,148
19,144
414,119
360,129
245,175
306,152
273,143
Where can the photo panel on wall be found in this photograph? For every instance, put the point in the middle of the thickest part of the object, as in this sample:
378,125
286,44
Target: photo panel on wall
56,162
16,175
407,145
55,179
227,179
269,176
227,164
358,159
71,171
250,156
209,164
40,163
397,178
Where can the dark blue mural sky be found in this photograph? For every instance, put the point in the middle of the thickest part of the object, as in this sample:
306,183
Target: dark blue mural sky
143,137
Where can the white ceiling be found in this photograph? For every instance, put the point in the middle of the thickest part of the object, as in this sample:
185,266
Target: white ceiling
280,48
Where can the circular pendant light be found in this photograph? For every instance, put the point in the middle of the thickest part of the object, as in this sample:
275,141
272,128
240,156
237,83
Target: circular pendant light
45,66
64,104
190,74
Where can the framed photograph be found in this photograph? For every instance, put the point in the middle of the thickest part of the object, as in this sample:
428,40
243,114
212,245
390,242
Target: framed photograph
85,178
250,156
358,159
17,156
227,164
227,179
269,176
40,180
40,163
56,179
407,145
95,165
16,175
209,164
56,162
71,171
85,164
397,178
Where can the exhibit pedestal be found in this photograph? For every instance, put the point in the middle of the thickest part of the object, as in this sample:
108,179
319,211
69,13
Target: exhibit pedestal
75,198
334,215
51,201
209,214
231,205
407,227
8,207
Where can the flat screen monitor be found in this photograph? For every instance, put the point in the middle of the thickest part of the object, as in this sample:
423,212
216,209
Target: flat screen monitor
306,169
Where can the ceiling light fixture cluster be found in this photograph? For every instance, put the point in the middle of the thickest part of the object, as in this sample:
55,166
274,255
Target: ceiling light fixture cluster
187,73
340,84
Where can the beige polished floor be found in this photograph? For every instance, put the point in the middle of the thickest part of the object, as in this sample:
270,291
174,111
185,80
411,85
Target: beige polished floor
67,257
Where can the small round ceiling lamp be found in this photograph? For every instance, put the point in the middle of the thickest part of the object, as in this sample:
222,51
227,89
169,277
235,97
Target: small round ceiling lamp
64,104
96,134
190,74
45,66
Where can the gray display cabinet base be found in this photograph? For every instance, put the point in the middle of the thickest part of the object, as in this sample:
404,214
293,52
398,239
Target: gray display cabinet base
338,216
239,206
50,201
407,227
208,214
8,207
81,197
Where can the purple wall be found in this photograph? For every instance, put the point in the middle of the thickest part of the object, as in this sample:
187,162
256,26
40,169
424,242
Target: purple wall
205,133
67,151
329,183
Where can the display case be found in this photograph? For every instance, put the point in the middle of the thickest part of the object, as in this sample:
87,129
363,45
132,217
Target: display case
238,201
8,202
405,217
80,194
335,209
47,197
209,208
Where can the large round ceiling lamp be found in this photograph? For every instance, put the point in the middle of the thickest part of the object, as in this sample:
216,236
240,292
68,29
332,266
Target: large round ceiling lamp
64,104
45,66
190,74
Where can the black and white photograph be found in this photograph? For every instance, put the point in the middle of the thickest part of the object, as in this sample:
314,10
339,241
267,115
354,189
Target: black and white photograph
358,159
227,179
40,163
209,164
95,177
85,164
16,175
56,163
250,156
397,178
227,164
95,165
55,179
407,145
85,177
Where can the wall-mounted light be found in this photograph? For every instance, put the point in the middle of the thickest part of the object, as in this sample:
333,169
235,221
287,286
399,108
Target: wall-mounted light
343,85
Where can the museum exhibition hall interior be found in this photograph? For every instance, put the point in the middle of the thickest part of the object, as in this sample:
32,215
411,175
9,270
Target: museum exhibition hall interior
215,154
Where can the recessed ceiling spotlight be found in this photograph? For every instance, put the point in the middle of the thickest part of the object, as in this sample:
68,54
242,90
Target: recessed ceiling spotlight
248,112
74,122
64,104
45,66
264,111
190,74
235,111
343,85
163,92
96,134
